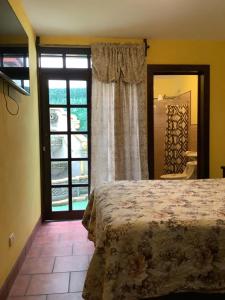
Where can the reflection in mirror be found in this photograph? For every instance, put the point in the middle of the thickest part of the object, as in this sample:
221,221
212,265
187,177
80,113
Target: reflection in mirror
175,126
14,63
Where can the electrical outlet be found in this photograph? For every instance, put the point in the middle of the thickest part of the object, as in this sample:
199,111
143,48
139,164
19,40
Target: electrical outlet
12,239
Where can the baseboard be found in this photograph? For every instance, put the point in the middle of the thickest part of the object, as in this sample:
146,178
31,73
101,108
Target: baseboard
5,289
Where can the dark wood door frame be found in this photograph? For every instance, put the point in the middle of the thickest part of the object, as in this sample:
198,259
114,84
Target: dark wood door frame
58,74
203,72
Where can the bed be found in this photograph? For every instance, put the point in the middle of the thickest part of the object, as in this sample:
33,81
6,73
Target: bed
155,237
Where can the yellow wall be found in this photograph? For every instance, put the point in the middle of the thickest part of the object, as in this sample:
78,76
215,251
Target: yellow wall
19,163
174,85
184,52
201,52
19,151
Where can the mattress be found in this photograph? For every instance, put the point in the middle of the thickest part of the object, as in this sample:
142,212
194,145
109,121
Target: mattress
155,237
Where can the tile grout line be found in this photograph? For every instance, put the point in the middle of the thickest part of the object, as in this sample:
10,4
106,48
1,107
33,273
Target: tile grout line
70,274
41,251
42,244
58,272
53,264
28,285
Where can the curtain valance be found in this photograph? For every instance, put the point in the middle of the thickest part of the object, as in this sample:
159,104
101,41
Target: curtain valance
113,62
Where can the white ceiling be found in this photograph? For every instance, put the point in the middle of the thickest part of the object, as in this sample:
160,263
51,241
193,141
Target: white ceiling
155,19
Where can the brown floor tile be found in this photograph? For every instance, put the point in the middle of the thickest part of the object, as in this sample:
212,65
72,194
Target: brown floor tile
71,263
34,251
54,241
46,239
77,281
20,285
28,298
37,265
67,236
83,248
49,284
51,230
90,258
70,296
73,236
54,244
57,250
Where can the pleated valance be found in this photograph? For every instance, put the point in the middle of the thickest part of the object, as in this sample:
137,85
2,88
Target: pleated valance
113,62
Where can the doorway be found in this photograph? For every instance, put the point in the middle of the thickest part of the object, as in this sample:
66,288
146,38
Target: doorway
65,127
178,121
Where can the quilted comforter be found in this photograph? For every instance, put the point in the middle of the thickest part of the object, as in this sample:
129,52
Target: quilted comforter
155,237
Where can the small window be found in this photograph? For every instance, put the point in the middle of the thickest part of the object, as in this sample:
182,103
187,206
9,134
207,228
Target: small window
18,82
11,60
27,62
76,61
51,61
26,84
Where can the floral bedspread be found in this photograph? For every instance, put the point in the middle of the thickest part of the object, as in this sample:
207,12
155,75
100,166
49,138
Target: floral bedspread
156,237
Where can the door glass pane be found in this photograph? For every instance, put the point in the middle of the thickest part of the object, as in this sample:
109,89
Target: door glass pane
27,85
59,172
59,146
60,199
58,119
79,198
51,61
79,172
76,61
57,92
78,117
78,92
13,61
18,82
79,146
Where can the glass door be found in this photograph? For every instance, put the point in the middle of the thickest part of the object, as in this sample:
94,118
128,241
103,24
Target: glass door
65,99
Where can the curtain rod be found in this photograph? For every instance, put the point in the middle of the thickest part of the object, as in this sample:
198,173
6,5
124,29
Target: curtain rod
80,46
64,46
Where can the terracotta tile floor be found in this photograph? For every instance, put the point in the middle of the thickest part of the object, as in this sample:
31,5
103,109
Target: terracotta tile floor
55,267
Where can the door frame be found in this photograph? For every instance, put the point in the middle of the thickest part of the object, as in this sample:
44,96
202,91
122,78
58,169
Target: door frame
203,72
58,74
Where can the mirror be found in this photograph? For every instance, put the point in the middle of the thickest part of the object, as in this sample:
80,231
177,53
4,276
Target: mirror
14,62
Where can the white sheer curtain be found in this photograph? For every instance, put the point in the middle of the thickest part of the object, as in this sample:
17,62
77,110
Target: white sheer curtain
119,113
127,150
103,145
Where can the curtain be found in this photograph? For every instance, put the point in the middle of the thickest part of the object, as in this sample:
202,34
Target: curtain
176,138
119,113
